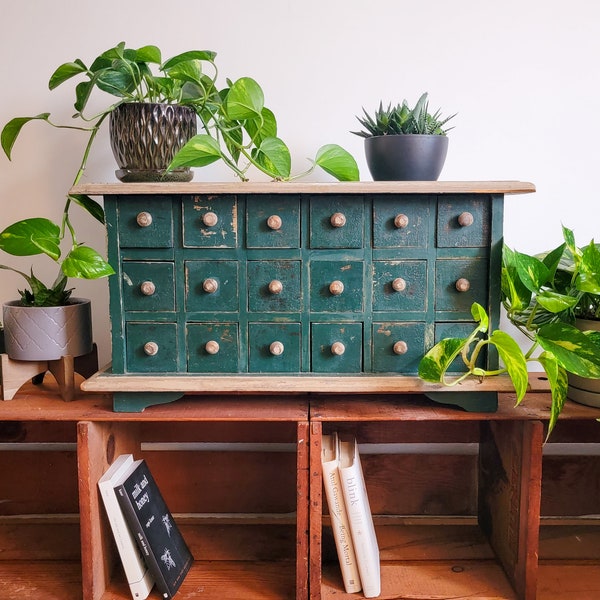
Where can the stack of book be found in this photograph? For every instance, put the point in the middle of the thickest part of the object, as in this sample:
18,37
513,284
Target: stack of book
150,544
351,518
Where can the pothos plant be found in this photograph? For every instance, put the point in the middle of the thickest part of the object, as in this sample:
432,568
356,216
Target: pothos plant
542,296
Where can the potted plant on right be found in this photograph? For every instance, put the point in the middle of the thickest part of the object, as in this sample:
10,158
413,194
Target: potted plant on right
403,143
554,300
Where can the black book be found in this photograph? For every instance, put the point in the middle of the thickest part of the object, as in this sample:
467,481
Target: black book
156,533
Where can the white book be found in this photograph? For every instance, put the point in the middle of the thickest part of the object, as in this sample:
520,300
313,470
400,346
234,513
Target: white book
138,577
338,514
360,518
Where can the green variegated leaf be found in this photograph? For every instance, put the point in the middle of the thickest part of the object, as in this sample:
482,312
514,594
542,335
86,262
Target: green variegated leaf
30,237
514,360
555,302
480,316
531,271
274,156
11,131
437,361
66,71
90,205
573,349
552,260
200,151
557,378
84,262
337,162
245,100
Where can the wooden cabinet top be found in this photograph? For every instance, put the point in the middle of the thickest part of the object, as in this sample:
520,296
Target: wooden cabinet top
272,187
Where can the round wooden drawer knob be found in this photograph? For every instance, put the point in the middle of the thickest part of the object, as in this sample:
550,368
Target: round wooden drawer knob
399,284
147,288
465,219
210,219
463,285
210,285
274,222
275,286
338,219
144,219
336,287
400,347
276,348
212,347
400,221
151,348
338,348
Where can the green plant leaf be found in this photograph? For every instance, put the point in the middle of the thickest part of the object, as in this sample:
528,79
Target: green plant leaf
339,163
11,131
559,384
589,275
85,263
480,316
206,55
259,129
245,100
90,205
148,54
200,151
573,349
31,237
555,302
436,361
531,271
66,71
514,360
274,156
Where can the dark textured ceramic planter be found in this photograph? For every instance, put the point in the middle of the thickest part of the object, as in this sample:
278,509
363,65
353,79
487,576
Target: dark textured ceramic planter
47,333
406,157
145,137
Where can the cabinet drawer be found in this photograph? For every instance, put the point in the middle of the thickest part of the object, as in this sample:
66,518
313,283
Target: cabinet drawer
401,222
148,286
212,347
151,347
336,347
463,222
145,222
400,285
210,222
274,286
212,285
398,347
273,222
459,283
336,286
336,222
274,347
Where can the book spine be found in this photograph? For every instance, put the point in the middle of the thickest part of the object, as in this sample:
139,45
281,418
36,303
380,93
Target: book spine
142,541
340,527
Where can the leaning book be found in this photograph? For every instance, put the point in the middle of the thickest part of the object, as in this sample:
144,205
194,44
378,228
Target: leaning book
338,514
157,535
138,576
360,518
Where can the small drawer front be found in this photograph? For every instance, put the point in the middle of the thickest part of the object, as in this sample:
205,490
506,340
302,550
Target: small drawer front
151,347
336,347
459,330
274,347
401,222
148,286
273,222
213,347
336,286
400,285
210,222
274,286
459,283
212,285
398,347
336,222
145,223
463,222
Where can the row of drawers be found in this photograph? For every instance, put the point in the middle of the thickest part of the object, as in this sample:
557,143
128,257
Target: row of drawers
270,347
337,286
288,222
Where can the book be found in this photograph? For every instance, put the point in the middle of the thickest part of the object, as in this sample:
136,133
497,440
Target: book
338,513
360,518
137,574
164,550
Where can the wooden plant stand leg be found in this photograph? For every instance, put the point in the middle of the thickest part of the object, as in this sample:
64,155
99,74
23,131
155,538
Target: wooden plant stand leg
14,373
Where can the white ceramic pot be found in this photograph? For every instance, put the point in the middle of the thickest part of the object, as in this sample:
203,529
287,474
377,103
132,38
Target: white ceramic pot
581,389
47,333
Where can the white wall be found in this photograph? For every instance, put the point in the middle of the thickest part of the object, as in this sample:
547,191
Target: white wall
522,75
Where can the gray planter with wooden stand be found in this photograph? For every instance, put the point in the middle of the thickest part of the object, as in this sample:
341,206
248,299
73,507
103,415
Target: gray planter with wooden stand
47,333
